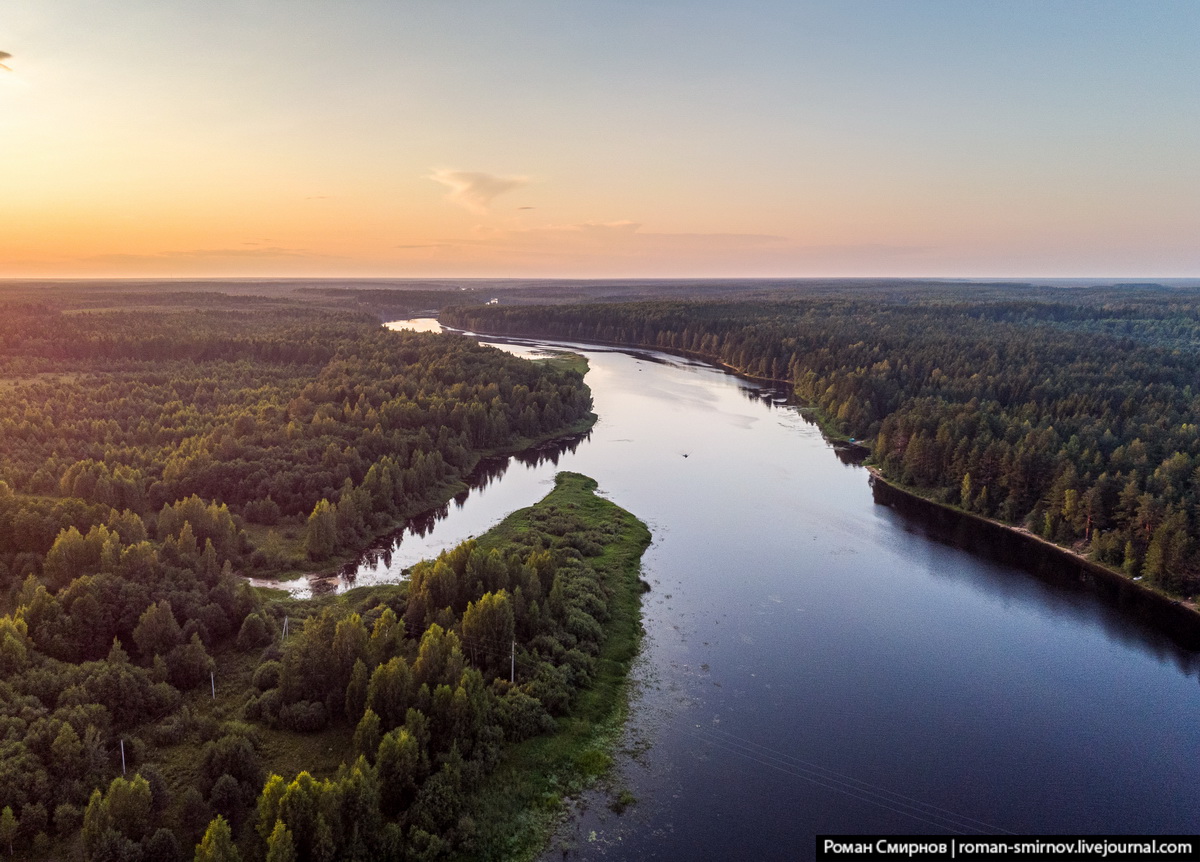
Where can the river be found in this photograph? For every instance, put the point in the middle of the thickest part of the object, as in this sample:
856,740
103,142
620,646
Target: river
818,662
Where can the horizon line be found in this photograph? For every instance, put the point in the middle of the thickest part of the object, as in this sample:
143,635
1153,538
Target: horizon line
1140,279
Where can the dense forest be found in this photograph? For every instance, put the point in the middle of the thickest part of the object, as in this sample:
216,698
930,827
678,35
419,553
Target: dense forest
155,451
1073,412
370,733
276,433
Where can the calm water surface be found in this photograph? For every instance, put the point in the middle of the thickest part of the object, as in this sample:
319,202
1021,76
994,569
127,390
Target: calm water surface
816,662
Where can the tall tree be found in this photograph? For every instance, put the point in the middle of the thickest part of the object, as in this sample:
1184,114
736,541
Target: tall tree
217,844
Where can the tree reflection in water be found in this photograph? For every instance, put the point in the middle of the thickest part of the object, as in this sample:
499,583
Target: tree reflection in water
379,557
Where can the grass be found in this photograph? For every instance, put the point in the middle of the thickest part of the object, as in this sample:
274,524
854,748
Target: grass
283,752
566,361
622,801
829,428
519,803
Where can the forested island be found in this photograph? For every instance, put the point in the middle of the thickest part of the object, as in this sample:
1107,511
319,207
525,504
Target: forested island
1071,412
154,453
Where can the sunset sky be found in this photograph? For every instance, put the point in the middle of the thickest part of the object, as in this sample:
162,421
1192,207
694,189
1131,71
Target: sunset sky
161,138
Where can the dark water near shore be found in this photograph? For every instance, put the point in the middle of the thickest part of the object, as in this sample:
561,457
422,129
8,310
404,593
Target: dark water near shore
824,657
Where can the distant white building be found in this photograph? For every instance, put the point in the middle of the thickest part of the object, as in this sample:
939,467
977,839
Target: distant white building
493,302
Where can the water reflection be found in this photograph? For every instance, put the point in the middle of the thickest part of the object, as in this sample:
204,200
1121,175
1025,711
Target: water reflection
416,324
389,560
1128,613
778,397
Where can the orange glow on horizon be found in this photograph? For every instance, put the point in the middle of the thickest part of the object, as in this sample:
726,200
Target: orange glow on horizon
396,143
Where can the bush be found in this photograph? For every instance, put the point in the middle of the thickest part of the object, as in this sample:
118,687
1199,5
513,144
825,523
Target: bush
304,717
551,687
172,729
234,756
254,633
266,676
67,818
265,512
189,664
265,708
523,716
581,666
162,846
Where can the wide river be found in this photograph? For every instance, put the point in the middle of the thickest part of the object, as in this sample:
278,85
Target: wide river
817,662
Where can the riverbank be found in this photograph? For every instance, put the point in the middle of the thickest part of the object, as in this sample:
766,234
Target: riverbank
832,435
326,577
625,345
1068,554
523,797
819,418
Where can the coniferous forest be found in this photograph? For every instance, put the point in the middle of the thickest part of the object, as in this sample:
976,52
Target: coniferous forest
1072,412
150,708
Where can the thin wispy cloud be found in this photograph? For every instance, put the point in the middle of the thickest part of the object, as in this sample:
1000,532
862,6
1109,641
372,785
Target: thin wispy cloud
475,190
